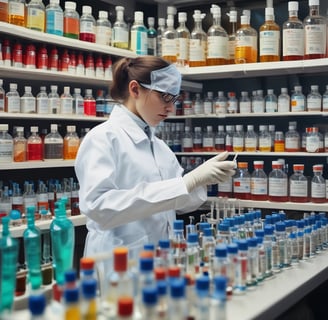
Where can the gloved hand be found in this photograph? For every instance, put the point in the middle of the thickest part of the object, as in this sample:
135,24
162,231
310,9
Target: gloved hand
212,171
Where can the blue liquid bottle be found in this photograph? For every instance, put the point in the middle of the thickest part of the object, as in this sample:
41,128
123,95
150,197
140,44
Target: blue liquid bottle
8,261
32,247
54,18
62,239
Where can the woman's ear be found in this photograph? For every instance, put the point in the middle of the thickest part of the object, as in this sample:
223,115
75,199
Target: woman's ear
134,89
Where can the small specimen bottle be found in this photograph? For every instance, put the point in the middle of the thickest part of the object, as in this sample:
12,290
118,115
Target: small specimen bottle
298,185
278,183
71,21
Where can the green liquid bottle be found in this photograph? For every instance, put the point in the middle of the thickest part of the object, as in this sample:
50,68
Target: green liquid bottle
62,239
32,248
8,262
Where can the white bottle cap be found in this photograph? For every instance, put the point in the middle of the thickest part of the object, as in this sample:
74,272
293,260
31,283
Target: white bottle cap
138,16
169,22
298,88
53,88
293,6
250,127
272,127
232,16
54,1
88,92
103,15
182,16
314,87
4,127
67,89
244,19
239,127
1,82
28,89
19,129
258,162
269,12
77,90
151,21
284,90
53,127
270,91
13,86
34,129
86,10
314,2
70,5
119,8
161,21
171,10
43,88
263,127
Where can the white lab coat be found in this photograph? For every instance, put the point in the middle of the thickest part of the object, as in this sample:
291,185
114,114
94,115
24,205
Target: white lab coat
126,190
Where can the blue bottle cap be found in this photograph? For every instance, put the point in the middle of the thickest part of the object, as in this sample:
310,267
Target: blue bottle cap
289,223
146,264
258,214
192,238
89,288
149,247
223,227
71,295
252,242
208,232
37,304
70,276
268,219
300,224
232,248
161,287
177,288
242,245
259,233
203,225
221,251
220,283
149,295
164,244
292,235
241,219
268,230
318,224
178,225
248,216
230,222
15,214
203,283
280,226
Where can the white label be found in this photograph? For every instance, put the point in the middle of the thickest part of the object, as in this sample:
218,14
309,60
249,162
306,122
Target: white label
232,106
271,106
17,200
250,143
245,107
312,143
269,42
246,41
220,107
298,104
207,107
27,105
208,143
54,105
283,105
265,142
197,50
315,39
238,142
198,107
292,143
169,47
42,197
293,42
183,47
42,105
259,186
258,106
298,188
314,104
225,186
16,8
13,104
318,190
66,105
87,27
6,150
120,35
277,187
242,185
103,35
187,143
217,47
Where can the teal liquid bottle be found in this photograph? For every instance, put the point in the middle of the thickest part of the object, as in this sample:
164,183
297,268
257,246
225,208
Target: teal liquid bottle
8,262
62,240
32,249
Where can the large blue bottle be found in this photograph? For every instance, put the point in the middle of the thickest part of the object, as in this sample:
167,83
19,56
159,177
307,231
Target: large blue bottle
32,249
8,263
62,240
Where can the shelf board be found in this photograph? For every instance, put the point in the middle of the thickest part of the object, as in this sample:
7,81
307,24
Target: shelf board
37,164
257,153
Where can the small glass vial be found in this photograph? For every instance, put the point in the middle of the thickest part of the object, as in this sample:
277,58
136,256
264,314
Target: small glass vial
298,100
28,103
314,99
242,182
318,185
298,185
238,140
259,182
284,101
278,183
19,145
6,144
87,25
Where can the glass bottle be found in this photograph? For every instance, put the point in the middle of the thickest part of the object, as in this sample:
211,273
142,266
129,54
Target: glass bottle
183,35
246,42
71,25
208,103
259,182
54,18
12,99
298,185
53,144
272,131
2,96
271,101
232,36
27,101
198,42
219,139
87,25
6,144
42,103
298,100
160,31
325,100
250,139
208,139
315,31
221,103
242,182
314,99
217,40
120,33
284,101
35,15
103,29
258,103
89,103
4,10
318,189
269,41
66,102
16,12
292,140
151,37
34,145
293,35
198,104
279,142
71,143
238,139
245,103
187,140
197,140
313,140
138,34
229,137
19,145
178,244
170,42
232,103
54,100
264,139
278,183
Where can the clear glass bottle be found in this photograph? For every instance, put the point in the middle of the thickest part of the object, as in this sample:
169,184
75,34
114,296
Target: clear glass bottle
187,140
250,139
16,12
325,100
219,139
54,18
6,144
313,140
187,105
314,99
269,39
183,35
78,102
298,100
170,42
198,104
208,103
160,31
103,29
315,30
318,189
284,101
197,139
138,34
278,183
242,182
238,140
271,101
34,145
71,24
53,144
272,131
246,42
66,101
292,140
245,105
230,129
19,146
120,35
298,185
293,35
54,100
12,99
232,36
151,37
42,103
264,139
258,103
221,103
232,103
198,42
259,182
217,40
35,15
208,139
87,25
71,143
27,101
2,97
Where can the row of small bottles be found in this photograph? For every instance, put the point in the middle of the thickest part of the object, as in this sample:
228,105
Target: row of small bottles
55,103
256,103
42,195
29,56
233,138
49,146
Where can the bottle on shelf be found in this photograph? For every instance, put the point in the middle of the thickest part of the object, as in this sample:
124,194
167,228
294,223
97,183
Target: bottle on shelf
103,29
217,40
87,25
89,103
232,103
264,139
318,185
242,182
120,32
6,144
53,59
325,100
279,142
258,102
42,103
208,140
100,103
6,52
251,139
198,42
30,59
29,196
197,139
138,34
230,130
2,96
314,99
259,182
298,185
314,138
160,31
292,140
271,101
17,58
269,38
293,35
245,105
54,100
28,101
4,11
54,18
12,104
34,145
238,139
221,103
17,12
208,103
42,59
183,35
66,102
219,139
19,146
315,31
198,104
151,37
71,21
35,15
53,144
187,140
284,101
278,183
90,65
298,100
71,143
232,36
170,42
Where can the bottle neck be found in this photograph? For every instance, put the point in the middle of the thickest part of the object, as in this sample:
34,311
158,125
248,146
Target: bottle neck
314,10
293,14
216,21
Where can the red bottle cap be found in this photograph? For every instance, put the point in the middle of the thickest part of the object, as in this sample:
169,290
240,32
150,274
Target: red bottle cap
120,259
87,263
174,272
125,306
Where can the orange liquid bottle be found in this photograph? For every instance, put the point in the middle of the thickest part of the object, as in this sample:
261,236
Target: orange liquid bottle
19,146
169,43
17,12
4,10
71,143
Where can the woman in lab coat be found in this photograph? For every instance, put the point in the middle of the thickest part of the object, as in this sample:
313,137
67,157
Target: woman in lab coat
131,184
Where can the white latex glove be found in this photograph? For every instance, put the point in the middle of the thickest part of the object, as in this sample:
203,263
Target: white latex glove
212,171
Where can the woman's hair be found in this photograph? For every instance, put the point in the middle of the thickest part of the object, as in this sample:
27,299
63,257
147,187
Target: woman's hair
127,69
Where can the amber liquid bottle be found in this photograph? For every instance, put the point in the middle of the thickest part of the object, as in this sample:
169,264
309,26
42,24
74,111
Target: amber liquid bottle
169,42
232,36
4,10
183,35
16,12
293,35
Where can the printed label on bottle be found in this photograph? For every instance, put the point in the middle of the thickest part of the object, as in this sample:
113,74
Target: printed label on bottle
6,150
225,186
208,143
55,22
13,104
169,47
42,105
318,190
314,104
16,8
277,187
250,143
293,42
298,104
245,107
217,47
325,103
183,49
291,143
139,42
27,105
258,106
238,142
197,50
315,39
312,143
87,27
270,106
269,43
283,105
242,185
298,188
103,35
259,186
207,107
54,105
265,143
35,19
120,35
66,106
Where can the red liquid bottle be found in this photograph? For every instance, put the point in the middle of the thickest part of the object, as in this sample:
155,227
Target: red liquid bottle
42,58
89,103
87,25
34,146
6,53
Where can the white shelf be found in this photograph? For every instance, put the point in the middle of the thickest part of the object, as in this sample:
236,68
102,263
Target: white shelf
307,206
37,164
17,232
259,69
257,153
